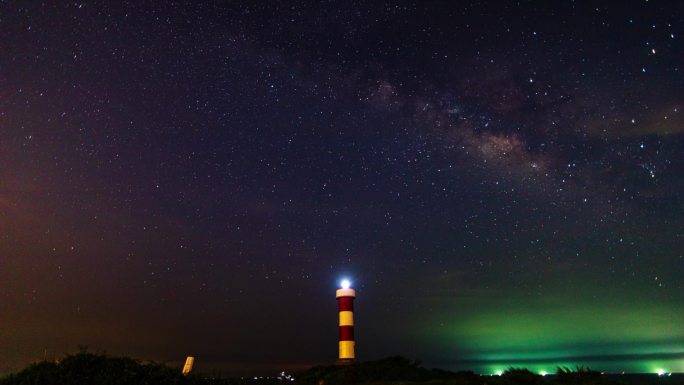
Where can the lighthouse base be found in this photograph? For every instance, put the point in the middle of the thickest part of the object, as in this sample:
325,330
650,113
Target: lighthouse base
345,361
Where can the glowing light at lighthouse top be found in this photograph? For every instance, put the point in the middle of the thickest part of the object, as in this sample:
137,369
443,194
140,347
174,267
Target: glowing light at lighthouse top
346,290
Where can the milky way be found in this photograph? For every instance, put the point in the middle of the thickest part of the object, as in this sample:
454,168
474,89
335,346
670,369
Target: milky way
500,181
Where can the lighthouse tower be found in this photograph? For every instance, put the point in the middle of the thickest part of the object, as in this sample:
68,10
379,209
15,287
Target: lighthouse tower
345,300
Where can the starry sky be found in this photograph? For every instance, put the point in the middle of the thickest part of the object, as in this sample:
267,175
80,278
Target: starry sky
501,181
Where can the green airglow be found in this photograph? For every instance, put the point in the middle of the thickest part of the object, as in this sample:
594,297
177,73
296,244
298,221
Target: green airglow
541,334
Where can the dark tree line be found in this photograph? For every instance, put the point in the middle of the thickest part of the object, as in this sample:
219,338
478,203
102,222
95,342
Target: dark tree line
96,369
86,368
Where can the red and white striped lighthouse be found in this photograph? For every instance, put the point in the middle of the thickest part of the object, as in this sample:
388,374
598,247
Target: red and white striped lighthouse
345,300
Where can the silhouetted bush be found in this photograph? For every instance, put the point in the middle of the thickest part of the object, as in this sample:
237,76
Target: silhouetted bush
97,369
580,376
392,369
519,376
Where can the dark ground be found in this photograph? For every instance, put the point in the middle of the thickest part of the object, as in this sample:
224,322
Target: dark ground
98,369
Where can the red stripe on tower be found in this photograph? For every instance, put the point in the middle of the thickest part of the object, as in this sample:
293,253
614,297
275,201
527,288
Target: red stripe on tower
345,300
346,333
346,303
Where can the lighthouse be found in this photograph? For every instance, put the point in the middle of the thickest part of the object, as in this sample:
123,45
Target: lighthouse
345,300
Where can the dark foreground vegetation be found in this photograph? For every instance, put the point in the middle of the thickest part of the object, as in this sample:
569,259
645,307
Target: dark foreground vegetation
399,370
98,369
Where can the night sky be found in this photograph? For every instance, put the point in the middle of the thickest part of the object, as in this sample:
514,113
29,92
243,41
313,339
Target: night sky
501,181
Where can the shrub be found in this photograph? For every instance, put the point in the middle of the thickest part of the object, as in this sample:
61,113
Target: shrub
96,369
